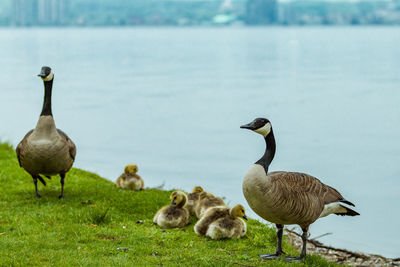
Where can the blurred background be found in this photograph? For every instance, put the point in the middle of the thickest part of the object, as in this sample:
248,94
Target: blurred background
166,84
197,12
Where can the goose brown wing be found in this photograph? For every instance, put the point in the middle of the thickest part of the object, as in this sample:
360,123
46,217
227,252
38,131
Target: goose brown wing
71,145
305,183
21,145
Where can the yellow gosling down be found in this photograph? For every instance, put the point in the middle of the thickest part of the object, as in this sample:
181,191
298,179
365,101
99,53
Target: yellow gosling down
193,198
222,223
174,215
129,179
206,201
229,226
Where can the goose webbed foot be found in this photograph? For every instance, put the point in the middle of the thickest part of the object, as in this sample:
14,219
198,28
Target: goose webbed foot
304,248
273,256
295,259
38,195
279,250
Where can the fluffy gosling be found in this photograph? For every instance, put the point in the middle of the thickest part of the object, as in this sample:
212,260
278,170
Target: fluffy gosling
218,214
174,215
129,179
193,199
206,201
229,226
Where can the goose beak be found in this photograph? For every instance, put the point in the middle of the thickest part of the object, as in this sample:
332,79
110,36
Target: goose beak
173,202
245,217
249,126
42,75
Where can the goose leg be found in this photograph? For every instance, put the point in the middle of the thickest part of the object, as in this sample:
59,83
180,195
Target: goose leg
62,175
303,250
279,250
36,189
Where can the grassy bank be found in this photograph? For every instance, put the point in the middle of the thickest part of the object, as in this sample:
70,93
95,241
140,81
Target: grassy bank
97,224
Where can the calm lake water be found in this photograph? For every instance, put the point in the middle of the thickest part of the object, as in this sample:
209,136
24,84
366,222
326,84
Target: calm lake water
172,100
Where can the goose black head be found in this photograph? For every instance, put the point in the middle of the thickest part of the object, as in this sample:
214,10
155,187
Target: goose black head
46,74
260,125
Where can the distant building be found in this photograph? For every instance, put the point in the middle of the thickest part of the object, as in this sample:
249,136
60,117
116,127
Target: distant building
24,12
39,12
52,12
259,12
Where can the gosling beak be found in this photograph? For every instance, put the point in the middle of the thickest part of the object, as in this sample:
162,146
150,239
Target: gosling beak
249,126
245,217
173,203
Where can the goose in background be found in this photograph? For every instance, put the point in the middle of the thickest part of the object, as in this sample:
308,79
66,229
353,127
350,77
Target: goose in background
130,179
206,201
193,199
174,215
288,197
46,150
222,223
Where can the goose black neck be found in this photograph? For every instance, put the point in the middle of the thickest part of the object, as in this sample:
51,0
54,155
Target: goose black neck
46,110
269,154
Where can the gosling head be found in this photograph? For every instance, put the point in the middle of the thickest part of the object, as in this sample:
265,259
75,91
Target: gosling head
238,211
178,198
46,74
260,125
197,189
131,169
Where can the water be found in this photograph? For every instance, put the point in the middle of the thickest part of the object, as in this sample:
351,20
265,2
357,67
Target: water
172,100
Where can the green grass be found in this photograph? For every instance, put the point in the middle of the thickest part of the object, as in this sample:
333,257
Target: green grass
96,225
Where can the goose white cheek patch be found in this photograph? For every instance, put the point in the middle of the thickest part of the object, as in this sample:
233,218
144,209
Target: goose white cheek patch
49,77
265,130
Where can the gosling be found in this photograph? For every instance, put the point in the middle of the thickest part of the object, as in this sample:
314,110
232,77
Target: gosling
193,198
174,215
129,179
206,201
222,222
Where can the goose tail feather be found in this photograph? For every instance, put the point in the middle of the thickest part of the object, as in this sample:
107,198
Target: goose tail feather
347,202
348,212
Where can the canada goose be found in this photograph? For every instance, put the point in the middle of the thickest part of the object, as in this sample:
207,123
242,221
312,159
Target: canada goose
193,199
129,179
46,150
206,201
230,225
288,197
174,215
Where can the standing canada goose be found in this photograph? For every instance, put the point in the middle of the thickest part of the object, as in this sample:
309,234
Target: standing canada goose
46,150
288,197
193,198
174,215
206,201
129,179
222,222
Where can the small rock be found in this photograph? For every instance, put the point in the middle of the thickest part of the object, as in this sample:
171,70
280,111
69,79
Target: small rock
139,222
123,249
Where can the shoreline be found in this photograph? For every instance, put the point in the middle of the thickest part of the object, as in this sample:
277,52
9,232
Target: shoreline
338,255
